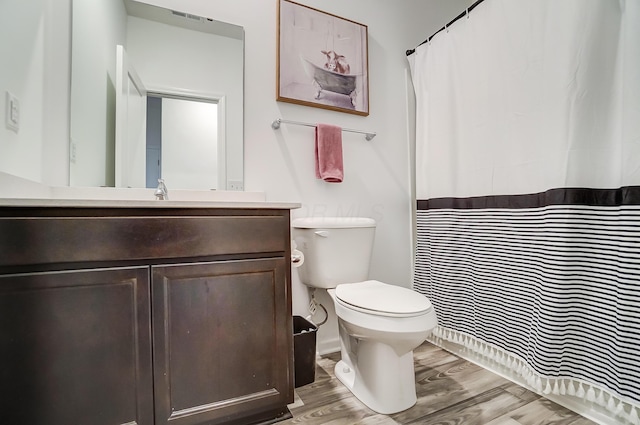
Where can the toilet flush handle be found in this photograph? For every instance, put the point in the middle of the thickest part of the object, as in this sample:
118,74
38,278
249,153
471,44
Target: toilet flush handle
322,233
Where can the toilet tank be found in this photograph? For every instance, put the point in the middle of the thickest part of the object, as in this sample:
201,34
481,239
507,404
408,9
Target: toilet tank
336,249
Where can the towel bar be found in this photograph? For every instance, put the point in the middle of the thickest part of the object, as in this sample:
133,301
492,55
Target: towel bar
276,125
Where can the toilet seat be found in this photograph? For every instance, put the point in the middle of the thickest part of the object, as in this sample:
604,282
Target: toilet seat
383,299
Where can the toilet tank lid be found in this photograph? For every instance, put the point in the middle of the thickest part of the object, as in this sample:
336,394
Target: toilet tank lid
332,222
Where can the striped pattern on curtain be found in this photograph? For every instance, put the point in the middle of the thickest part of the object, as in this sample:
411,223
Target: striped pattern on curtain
551,279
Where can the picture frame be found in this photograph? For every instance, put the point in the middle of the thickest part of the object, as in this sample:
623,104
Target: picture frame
322,60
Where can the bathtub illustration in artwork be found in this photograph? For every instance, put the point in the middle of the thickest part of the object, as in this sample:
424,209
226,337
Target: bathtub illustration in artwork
325,79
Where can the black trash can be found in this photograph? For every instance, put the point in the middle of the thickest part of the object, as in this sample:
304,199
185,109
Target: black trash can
304,351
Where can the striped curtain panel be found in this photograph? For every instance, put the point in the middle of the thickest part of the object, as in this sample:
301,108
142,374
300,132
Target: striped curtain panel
528,193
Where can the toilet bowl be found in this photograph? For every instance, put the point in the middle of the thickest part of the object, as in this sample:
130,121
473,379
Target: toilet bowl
377,342
379,324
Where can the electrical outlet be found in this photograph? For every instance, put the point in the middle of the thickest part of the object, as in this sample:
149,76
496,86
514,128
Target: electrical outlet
12,117
235,185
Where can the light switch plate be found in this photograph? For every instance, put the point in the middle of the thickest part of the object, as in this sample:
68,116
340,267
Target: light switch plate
12,116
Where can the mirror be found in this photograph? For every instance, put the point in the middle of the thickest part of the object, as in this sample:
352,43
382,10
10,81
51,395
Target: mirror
189,72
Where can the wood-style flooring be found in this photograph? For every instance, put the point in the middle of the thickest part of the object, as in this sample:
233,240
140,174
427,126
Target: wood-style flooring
450,391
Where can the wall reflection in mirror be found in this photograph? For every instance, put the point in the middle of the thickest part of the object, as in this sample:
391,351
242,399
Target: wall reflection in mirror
190,67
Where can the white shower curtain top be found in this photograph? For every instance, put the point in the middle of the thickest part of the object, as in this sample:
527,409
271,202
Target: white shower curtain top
525,96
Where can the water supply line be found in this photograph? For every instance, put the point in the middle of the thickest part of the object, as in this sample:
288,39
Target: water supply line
313,305
297,260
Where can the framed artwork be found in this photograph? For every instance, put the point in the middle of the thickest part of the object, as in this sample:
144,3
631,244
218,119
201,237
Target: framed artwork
322,60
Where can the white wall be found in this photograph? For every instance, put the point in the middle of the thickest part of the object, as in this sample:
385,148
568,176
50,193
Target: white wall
38,76
378,178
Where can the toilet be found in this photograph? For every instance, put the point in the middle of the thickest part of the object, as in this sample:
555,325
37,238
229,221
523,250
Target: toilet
379,324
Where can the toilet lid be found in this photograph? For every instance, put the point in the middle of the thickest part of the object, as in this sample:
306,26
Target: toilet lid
383,298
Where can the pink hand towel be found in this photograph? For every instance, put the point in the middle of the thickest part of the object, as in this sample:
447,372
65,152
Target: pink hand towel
329,153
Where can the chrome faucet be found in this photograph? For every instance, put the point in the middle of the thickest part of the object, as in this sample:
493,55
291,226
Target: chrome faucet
162,194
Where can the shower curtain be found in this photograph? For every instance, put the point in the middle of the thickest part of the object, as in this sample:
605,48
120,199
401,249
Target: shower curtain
528,192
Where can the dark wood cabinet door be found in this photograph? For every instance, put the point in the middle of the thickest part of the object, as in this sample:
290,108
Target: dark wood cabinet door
75,348
222,341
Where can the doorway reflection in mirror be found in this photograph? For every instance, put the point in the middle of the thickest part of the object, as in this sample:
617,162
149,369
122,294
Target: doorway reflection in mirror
182,143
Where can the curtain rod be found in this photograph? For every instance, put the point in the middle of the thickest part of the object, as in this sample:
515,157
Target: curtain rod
465,13
276,125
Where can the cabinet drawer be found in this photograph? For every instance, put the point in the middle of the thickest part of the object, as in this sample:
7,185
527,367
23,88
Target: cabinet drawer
46,240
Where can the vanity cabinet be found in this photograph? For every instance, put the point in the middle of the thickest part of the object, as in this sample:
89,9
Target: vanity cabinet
145,315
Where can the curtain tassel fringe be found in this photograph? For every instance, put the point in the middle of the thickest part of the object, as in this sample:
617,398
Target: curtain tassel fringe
563,387
600,400
542,385
633,416
580,393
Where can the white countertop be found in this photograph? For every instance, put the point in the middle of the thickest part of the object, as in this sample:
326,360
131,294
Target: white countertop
19,192
133,203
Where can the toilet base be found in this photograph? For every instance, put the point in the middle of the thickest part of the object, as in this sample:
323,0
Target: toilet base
380,379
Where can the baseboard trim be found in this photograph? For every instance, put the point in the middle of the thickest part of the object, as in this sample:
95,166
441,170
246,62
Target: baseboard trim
328,346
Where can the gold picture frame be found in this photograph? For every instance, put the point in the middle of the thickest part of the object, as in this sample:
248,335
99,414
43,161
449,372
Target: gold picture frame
322,60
